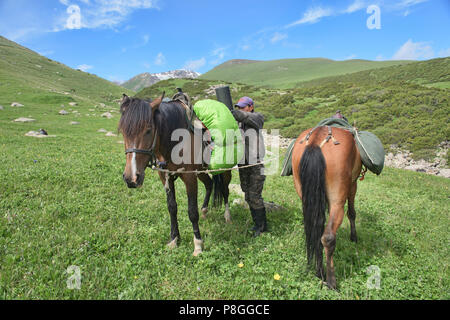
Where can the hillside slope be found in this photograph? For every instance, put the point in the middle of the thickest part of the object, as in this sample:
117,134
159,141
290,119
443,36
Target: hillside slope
26,75
407,105
286,72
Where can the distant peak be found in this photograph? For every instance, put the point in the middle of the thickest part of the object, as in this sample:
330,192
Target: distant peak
147,79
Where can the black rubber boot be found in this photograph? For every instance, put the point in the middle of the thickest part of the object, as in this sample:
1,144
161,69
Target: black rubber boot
260,221
252,211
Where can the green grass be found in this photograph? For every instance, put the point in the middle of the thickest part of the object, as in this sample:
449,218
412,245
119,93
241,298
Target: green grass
286,73
63,203
26,75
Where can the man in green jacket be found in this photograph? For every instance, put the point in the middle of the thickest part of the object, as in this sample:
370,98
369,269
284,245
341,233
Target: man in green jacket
252,178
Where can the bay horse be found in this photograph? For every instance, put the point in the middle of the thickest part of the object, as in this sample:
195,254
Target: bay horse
147,128
325,175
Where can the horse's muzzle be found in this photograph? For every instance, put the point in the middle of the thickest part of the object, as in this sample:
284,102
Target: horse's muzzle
134,183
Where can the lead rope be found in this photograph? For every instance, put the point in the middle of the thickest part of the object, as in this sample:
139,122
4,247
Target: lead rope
182,170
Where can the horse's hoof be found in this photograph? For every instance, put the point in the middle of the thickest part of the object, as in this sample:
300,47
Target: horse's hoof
332,284
173,244
353,238
227,214
198,244
204,212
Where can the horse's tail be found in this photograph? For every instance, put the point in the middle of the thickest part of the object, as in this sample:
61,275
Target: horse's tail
218,187
314,200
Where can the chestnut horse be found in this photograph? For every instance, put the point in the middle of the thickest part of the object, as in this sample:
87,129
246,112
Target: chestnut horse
325,174
147,128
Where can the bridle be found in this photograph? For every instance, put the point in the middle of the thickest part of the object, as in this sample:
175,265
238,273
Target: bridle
150,152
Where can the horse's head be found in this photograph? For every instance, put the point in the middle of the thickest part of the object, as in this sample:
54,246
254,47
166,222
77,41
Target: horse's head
139,132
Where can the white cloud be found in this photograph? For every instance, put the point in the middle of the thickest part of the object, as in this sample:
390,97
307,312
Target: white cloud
409,3
160,59
350,57
116,79
194,64
46,53
379,57
355,6
218,54
99,13
312,15
413,51
145,39
278,37
444,53
84,67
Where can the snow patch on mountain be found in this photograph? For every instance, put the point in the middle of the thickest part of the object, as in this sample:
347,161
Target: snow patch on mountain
146,79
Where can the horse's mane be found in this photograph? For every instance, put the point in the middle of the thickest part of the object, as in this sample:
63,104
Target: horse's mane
137,116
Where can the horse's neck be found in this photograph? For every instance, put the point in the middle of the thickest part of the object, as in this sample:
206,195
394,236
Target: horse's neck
167,121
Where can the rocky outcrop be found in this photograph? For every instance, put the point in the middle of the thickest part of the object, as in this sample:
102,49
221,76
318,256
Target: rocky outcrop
403,159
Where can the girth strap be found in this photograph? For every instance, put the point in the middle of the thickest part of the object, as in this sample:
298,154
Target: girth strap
328,137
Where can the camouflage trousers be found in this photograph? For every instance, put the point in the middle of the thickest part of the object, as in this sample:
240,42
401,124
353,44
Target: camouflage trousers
252,184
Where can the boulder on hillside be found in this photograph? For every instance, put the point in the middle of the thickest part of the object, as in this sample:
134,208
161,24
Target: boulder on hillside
23,119
73,104
63,112
16,104
107,115
38,134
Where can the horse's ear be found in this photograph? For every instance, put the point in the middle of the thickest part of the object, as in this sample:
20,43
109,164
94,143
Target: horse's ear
125,98
155,103
123,102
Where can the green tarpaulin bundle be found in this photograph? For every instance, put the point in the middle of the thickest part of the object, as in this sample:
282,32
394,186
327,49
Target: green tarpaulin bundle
228,148
370,147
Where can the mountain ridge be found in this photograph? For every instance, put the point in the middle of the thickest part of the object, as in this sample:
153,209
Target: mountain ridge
285,73
147,79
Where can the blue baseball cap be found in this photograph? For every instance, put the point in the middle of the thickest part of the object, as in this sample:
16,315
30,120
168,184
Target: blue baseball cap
243,102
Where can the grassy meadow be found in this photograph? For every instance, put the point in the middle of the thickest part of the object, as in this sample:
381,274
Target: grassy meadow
63,202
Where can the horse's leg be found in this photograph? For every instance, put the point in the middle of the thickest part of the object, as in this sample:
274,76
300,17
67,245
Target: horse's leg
207,181
351,213
329,238
190,180
173,209
226,192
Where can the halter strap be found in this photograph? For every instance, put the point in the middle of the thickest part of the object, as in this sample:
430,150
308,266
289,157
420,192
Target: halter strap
150,152
133,150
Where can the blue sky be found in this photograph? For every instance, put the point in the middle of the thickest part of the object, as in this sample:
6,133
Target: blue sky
118,39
